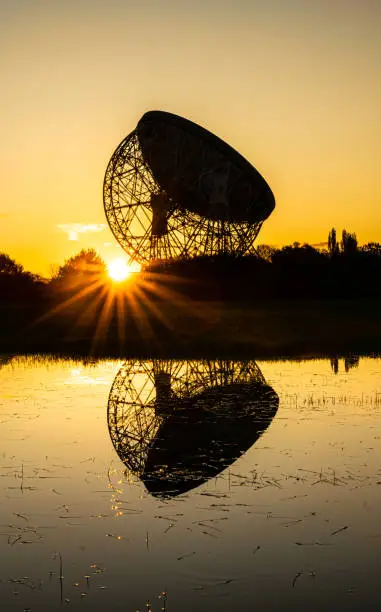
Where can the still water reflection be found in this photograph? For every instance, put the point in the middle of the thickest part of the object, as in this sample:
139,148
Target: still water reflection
234,485
177,424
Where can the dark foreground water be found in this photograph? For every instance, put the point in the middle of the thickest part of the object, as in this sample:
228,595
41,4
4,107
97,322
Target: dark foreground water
186,486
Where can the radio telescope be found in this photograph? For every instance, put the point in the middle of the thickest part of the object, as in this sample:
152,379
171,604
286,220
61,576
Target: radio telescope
174,190
175,424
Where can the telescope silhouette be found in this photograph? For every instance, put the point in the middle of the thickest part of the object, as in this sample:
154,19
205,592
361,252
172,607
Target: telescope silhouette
175,425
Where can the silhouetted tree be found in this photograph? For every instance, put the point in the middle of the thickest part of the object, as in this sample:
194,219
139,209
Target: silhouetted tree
348,243
372,248
9,266
296,254
12,274
265,251
20,296
85,267
74,294
333,247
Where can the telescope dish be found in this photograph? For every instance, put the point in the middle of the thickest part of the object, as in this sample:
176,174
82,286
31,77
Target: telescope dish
172,190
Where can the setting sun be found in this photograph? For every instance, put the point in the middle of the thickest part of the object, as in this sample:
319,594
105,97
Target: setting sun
119,270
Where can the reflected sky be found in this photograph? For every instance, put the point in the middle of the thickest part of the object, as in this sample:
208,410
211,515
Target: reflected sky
295,518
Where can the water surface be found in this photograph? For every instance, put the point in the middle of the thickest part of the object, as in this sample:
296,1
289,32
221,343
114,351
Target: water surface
190,485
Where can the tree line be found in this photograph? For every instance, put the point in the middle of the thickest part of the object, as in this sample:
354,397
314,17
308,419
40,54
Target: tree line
26,298
16,282
296,271
78,302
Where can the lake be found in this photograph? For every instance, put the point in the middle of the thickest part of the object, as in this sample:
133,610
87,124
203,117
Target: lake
190,485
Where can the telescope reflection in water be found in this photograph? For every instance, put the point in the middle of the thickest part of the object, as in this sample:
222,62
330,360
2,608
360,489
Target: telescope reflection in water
175,424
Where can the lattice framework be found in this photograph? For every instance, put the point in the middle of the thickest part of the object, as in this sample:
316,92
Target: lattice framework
133,417
128,187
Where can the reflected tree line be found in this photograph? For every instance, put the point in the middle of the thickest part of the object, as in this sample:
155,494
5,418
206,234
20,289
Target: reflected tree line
175,424
349,362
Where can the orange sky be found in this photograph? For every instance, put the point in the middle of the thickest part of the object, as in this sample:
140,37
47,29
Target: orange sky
294,85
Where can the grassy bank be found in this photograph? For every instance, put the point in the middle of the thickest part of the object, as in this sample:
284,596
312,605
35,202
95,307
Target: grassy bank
191,328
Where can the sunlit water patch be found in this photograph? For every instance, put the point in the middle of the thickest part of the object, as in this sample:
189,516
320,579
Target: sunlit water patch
190,485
